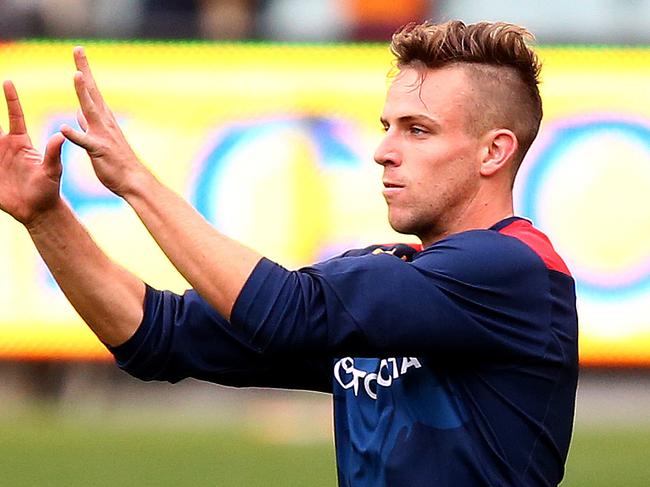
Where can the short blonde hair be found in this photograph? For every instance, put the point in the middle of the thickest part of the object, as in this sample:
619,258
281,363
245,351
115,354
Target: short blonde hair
497,57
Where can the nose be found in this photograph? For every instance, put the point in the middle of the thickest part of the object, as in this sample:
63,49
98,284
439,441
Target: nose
387,152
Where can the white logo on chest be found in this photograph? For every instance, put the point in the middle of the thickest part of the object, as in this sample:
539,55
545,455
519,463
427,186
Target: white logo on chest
350,377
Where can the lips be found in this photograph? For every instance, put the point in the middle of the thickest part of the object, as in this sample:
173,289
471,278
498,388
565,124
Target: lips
391,188
390,184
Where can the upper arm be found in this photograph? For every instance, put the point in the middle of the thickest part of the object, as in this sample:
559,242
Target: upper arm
485,297
182,336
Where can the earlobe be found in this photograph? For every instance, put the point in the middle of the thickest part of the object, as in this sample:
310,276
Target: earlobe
499,151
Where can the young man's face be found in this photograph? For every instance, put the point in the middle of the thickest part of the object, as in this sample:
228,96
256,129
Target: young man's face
429,154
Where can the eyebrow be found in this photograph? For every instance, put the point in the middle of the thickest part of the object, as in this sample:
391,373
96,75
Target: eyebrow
413,118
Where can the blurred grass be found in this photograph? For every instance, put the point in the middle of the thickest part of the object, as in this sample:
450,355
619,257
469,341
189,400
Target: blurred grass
46,450
39,451
609,457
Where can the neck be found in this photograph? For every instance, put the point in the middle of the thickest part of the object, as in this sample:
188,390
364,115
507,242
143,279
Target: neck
479,213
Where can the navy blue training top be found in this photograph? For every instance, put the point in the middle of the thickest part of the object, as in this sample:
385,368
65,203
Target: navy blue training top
455,366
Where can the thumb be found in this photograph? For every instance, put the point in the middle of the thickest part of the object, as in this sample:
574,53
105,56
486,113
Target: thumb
81,120
52,157
78,138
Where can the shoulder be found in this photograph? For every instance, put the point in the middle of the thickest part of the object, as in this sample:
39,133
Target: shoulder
512,249
403,251
535,240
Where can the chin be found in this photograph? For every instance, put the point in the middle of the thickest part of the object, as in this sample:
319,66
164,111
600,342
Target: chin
402,226
410,225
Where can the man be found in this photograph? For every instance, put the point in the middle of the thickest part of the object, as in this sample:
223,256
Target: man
450,364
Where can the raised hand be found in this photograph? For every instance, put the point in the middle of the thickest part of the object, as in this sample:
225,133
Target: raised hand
29,182
113,160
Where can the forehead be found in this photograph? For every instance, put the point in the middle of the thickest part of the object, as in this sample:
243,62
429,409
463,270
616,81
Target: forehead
438,92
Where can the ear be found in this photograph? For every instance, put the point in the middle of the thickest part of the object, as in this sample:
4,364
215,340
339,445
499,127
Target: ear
499,149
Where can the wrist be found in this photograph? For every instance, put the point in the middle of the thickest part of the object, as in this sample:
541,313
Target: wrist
141,183
46,217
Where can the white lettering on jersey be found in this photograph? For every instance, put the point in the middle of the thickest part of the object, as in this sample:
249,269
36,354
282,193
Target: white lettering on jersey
347,364
410,362
349,376
367,384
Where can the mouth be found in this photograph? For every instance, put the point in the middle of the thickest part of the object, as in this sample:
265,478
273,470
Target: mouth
391,185
391,188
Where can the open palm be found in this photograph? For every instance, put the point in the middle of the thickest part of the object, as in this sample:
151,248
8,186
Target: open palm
29,181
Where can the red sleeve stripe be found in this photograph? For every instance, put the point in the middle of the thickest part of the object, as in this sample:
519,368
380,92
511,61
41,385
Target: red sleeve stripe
538,242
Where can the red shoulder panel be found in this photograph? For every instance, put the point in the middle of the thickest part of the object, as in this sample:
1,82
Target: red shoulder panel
524,231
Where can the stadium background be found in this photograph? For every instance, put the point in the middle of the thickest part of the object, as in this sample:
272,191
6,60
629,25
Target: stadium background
272,142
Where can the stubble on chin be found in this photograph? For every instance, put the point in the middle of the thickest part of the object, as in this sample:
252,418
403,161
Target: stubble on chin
424,227
402,223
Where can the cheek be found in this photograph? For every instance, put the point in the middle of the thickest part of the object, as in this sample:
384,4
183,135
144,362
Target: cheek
446,182
460,160
441,165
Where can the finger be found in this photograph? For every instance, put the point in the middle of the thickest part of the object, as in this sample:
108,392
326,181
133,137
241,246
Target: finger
81,120
81,62
78,138
85,102
52,157
16,117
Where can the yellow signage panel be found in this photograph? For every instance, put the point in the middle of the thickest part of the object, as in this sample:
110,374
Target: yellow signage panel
273,144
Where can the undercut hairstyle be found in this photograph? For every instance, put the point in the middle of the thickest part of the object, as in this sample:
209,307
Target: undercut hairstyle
497,57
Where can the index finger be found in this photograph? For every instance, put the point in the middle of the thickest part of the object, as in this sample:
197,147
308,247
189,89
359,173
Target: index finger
16,117
81,62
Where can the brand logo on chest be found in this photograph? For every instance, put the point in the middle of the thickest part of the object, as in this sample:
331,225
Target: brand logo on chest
389,370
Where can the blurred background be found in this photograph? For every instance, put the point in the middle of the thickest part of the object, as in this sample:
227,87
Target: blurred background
264,114
553,21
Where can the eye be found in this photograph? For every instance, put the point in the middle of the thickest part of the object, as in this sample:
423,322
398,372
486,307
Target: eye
417,130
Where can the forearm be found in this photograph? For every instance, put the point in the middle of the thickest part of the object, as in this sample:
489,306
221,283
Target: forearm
215,265
106,296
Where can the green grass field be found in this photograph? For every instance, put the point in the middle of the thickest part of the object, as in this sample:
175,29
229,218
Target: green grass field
38,451
44,449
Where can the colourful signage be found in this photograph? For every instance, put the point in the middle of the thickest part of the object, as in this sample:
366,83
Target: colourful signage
273,144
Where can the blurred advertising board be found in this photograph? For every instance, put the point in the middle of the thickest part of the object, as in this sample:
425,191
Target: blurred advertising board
273,144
